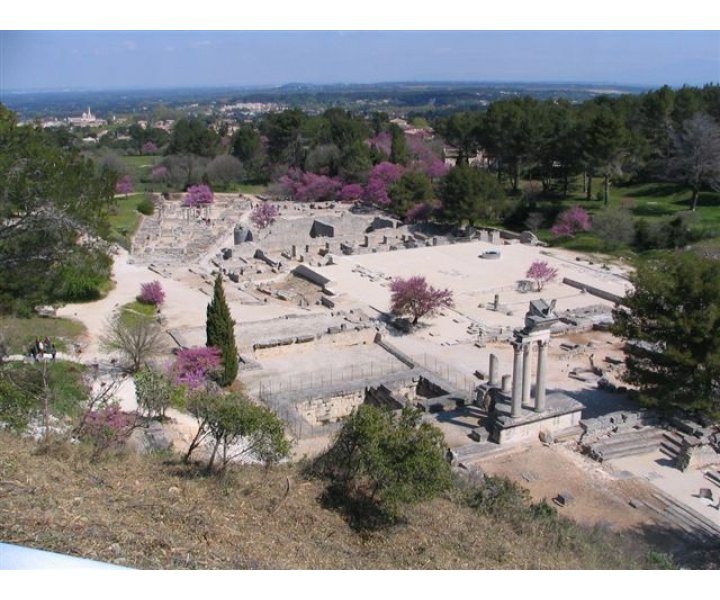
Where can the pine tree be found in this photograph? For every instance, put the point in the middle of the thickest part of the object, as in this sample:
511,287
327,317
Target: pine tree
219,328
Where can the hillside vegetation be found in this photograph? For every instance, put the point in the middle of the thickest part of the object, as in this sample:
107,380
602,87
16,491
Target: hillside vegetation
154,513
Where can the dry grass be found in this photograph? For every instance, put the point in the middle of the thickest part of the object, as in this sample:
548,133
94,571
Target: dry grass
154,513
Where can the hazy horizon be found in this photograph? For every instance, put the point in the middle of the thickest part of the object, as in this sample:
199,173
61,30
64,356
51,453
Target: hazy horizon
56,61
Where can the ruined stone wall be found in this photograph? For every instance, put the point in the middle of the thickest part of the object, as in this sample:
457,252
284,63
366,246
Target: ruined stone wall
321,411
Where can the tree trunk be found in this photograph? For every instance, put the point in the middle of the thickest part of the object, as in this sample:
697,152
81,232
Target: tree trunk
212,456
584,182
606,189
694,199
588,188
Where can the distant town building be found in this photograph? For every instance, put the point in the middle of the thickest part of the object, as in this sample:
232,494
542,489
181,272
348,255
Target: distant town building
450,156
87,119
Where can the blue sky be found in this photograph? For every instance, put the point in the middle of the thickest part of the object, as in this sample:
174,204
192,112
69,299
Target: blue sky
145,59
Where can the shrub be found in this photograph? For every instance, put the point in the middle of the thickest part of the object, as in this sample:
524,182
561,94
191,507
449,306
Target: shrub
107,427
146,206
572,221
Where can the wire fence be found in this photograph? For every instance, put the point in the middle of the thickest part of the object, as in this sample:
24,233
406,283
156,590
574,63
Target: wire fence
307,384
459,380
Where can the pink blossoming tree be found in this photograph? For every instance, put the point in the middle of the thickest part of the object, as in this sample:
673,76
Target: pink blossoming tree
264,215
310,187
199,195
351,192
572,221
159,173
414,296
125,185
149,148
152,293
541,273
195,366
381,177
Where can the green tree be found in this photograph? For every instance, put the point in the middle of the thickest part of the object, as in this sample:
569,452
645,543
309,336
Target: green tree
604,146
672,323
53,210
193,136
391,459
246,146
241,429
414,187
398,146
154,391
470,194
220,332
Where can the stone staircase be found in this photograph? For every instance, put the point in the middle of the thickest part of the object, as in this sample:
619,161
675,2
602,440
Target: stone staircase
629,443
694,526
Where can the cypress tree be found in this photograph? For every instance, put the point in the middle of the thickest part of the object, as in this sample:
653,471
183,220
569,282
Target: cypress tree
219,328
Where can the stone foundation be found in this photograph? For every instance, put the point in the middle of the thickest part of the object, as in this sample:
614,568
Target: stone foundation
561,412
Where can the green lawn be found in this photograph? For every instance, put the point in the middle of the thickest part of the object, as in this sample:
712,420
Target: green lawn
140,168
20,333
135,310
124,219
649,201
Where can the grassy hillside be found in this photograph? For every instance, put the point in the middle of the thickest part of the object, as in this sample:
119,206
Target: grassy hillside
154,513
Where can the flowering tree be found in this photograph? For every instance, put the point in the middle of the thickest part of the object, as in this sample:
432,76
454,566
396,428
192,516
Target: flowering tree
310,187
198,195
159,173
125,185
351,192
381,177
541,273
264,215
194,366
149,148
415,297
382,141
424,159
107,427
152,293
572,221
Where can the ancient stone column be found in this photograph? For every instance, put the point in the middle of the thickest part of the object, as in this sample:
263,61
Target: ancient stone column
493,376
527,349
505,386
516,380
540,382
496,302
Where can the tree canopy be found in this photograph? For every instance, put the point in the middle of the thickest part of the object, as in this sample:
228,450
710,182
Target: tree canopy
393,459
671,321
220,332
53,208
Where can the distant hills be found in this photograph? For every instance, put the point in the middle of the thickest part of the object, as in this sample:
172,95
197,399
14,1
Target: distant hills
419,96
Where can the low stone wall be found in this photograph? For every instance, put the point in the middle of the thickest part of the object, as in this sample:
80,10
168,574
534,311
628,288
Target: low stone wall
593,290
352,336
